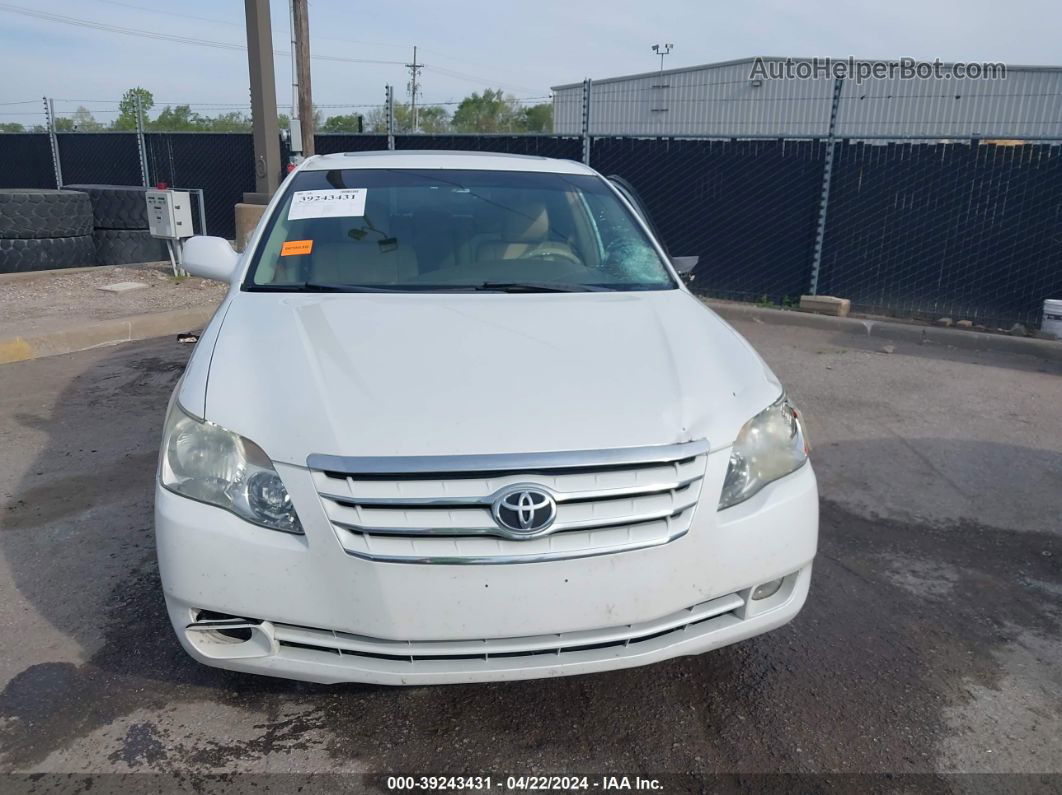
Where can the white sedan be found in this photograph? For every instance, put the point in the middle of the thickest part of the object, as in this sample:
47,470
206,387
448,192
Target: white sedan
459,419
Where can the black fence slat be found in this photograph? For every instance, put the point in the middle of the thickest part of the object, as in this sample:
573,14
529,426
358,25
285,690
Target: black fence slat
923,229
110,158
567,148
222,164
26,161
334,143
746,208
965,230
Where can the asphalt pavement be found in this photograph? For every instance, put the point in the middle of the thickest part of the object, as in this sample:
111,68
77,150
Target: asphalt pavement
930,643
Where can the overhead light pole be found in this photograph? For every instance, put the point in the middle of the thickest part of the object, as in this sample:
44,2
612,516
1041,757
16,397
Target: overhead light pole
662,50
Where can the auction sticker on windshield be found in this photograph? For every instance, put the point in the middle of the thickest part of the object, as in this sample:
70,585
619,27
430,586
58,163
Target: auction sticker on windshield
327,204
293,247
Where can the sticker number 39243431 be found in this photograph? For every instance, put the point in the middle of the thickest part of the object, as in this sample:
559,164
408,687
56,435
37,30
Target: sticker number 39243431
348,202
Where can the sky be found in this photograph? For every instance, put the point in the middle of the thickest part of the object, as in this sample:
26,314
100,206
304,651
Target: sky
519,46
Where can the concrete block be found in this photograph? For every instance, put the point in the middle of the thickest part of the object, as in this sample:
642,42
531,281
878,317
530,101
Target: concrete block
247,218
826,305
122,287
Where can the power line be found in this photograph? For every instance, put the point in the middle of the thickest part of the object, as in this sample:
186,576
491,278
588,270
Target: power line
222,45
483,81
149,34
212,20
216,21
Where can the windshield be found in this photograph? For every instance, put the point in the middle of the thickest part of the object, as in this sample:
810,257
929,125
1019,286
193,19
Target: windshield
444,230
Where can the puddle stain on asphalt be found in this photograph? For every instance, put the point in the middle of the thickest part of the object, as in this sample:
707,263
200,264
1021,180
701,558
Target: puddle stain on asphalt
908,626
859,681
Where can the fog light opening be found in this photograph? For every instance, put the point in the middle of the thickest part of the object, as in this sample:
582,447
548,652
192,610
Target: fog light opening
767,590
219,636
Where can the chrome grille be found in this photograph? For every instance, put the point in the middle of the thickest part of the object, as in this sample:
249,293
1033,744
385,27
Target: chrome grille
438,510
683,624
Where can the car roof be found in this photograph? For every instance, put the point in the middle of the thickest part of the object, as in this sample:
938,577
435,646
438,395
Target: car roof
435,158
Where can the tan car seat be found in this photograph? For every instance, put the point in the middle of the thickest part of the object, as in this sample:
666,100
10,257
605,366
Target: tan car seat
525,234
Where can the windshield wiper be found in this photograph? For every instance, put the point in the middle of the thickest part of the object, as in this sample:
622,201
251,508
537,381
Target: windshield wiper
539,287
320,287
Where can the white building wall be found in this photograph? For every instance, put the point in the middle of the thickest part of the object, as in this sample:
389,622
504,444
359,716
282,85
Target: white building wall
720,99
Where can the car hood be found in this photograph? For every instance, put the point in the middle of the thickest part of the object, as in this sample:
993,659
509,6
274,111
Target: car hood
452,374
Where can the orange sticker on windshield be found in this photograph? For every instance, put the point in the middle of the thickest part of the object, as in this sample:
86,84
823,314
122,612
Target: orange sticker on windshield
292,247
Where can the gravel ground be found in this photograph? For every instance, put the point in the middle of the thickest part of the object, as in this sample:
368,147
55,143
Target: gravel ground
62,300
929,652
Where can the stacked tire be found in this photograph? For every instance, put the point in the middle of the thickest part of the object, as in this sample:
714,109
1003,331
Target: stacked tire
45,229
120,225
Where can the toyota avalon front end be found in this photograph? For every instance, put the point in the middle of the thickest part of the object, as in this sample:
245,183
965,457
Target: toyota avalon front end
459,420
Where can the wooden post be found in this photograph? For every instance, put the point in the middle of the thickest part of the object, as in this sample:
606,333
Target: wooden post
263,98
302,65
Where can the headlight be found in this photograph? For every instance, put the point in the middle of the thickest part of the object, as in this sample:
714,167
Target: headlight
769,446
205,462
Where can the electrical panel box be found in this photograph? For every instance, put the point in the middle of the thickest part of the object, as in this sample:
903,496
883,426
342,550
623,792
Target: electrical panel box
169,213
295,136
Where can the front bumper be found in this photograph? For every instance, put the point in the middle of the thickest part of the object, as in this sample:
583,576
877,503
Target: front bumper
321,615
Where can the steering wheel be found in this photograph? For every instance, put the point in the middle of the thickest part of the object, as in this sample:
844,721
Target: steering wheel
551,251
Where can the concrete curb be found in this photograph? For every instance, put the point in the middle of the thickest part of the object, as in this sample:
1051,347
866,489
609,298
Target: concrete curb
104,332
159,324
892,332
29,276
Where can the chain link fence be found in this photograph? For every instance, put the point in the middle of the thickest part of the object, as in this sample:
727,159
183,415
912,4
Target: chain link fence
220,164
104,157
26,161
963,228
746,208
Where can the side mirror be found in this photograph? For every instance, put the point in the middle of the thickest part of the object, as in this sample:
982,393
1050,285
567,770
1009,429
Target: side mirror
685,266
209,258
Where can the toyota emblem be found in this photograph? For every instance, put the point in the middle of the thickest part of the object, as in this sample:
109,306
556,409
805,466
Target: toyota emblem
524,509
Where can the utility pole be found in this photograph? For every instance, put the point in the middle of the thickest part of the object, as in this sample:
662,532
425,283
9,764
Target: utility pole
414,72
263,101
662,50
294,126
301,56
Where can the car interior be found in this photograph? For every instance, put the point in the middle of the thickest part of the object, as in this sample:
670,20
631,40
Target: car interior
450,232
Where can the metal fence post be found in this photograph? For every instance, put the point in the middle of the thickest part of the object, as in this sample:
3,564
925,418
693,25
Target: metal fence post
587,85
49,115
824,200
390,117
140,143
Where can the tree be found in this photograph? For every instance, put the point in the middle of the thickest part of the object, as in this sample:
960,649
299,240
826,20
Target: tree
84,121
348,123
178,119
81,120
127,108
433,119
488,112
376,120
11,126
538,118
233,121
